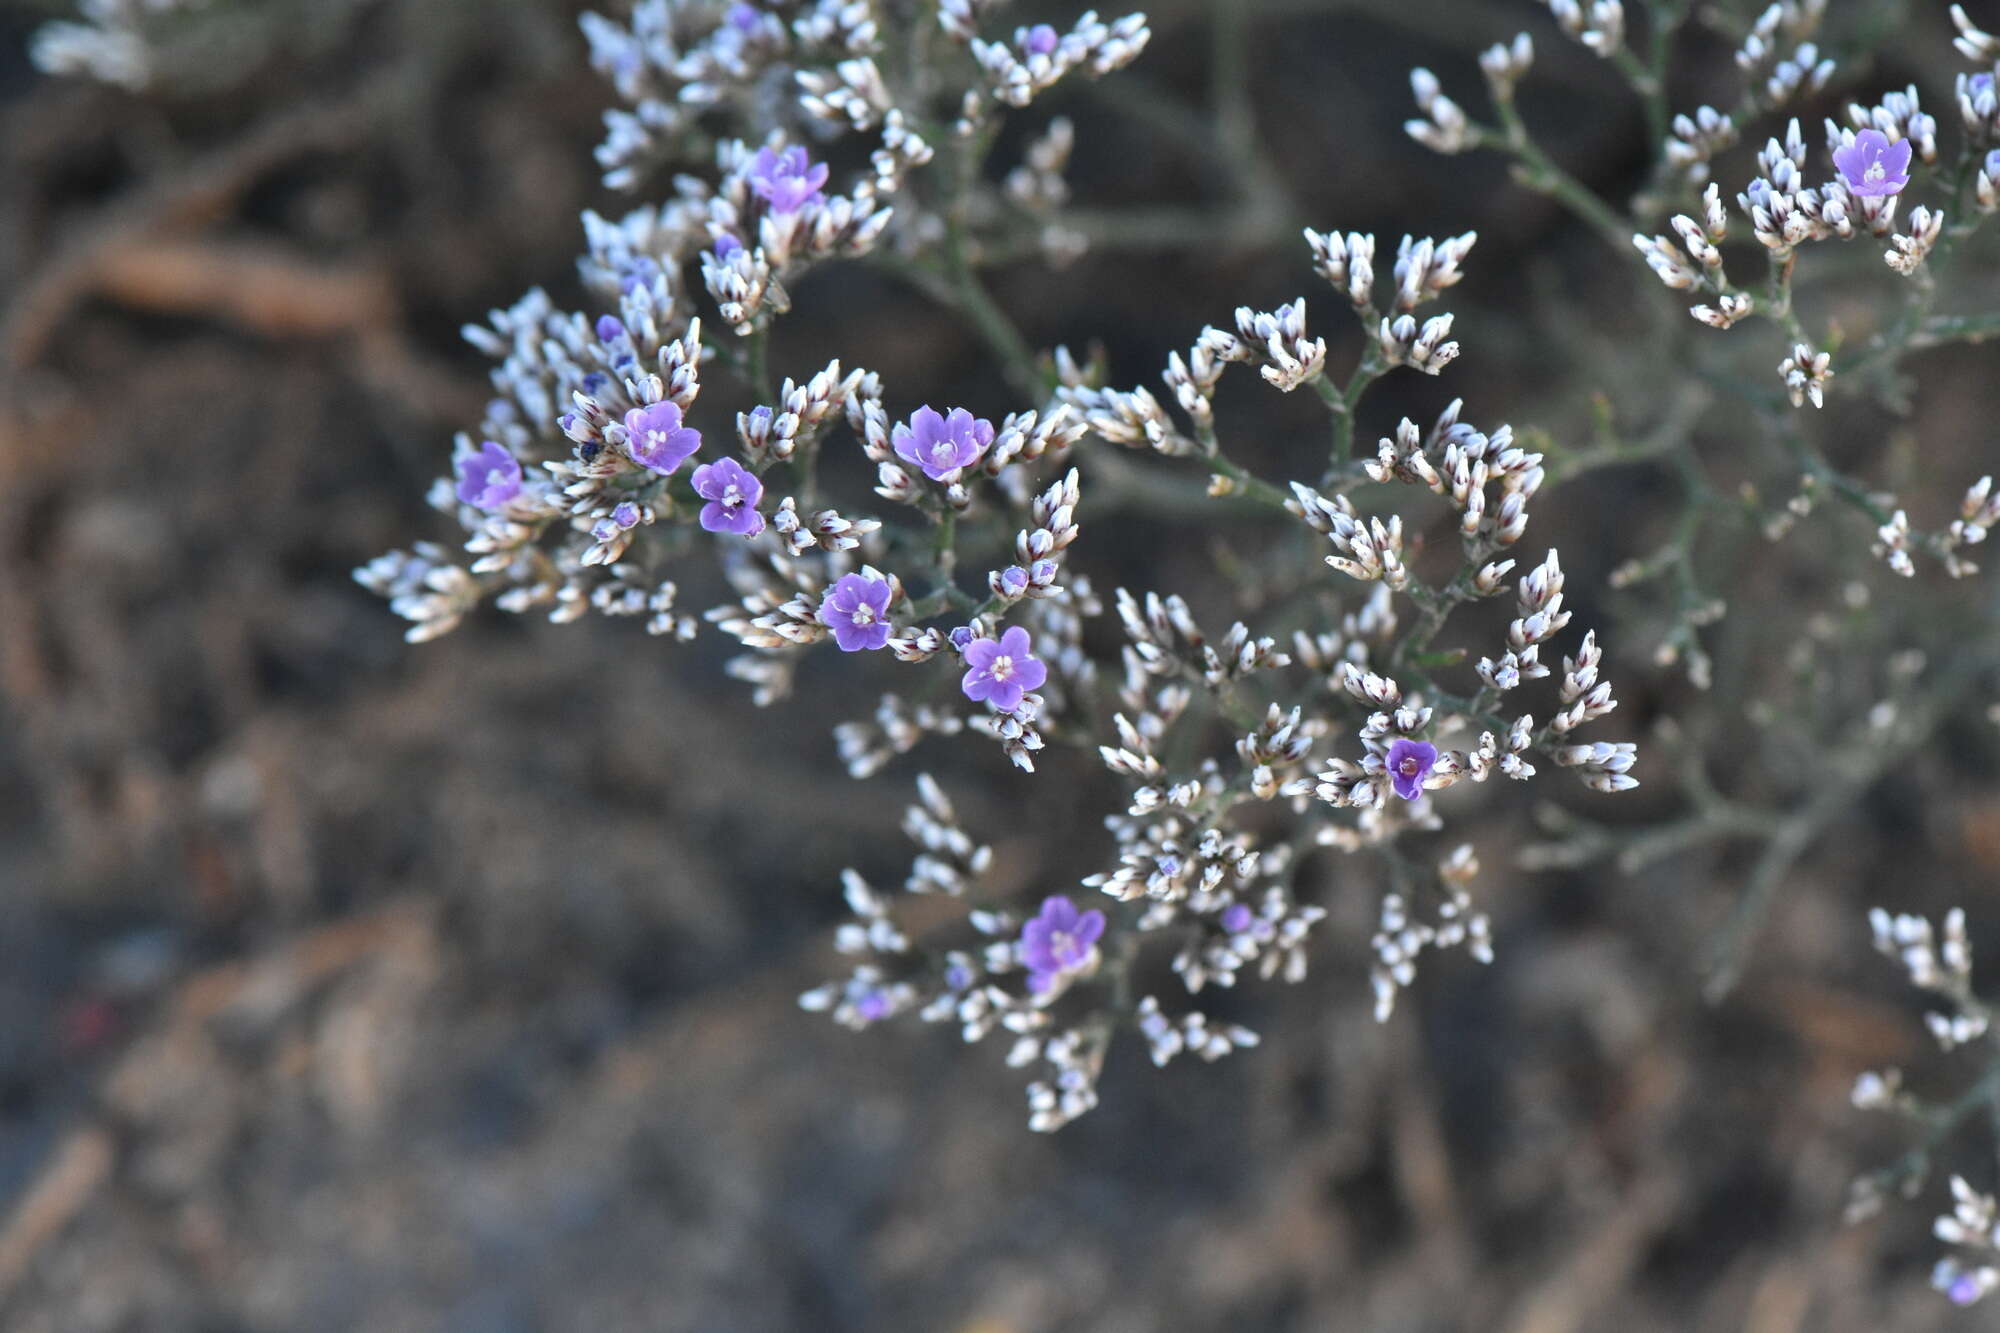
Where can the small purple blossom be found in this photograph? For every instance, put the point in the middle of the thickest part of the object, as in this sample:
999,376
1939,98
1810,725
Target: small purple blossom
732,492
1000,671
1872,166
641,272
1409,763
610,328
1993,164
658,439
743,17
1014,581
856,609
727,246
621,519
1237,918
489,479
961,637
788,181
1057,941
1039,40
941,445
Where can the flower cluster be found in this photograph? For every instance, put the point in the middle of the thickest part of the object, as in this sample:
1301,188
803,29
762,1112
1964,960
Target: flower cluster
1939,963
1428,641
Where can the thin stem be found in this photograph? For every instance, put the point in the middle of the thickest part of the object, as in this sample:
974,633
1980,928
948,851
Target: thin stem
1539,172
1344,401
944,554
1843,779
1245,483
1941,329
757,364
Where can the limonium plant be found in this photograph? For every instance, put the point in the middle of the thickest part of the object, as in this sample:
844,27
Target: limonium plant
1888,176
597,468
764,142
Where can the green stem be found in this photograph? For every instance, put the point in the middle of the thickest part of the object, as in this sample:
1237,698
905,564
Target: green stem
1539,172
1344,402
757,365
1245,483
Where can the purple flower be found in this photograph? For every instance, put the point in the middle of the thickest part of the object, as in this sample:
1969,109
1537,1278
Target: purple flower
1993,164
726,245
732,493
743,17
610,328
490,478
640,272
658,439
1039,40
1409,763
1872,166
788,181
856,609
621,519
1059,940
1013,581
941,445
1237,918
1000,671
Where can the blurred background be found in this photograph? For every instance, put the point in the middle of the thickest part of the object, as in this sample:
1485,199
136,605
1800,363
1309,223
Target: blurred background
345,985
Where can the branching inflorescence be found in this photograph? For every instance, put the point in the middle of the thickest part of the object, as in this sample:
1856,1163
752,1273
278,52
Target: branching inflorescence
596,473
1892,178
601,476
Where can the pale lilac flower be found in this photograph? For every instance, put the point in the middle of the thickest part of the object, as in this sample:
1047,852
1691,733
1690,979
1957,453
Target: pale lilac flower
743,17
732,492
726,246
658,439
1961,1285
856,609
1237,918
1409,763
788,181
1872,166
1014,581
1993,164
489,479
941,445
1000,671
640,272
621,519
1058,941
1039,40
